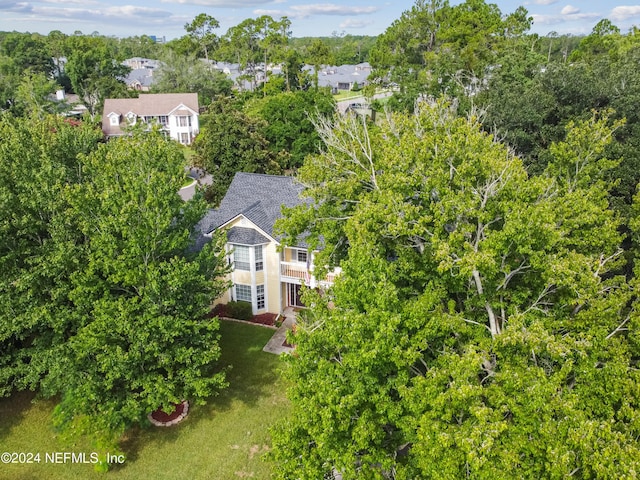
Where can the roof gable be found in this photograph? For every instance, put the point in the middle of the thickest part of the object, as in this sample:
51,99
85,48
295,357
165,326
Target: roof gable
182,109
151,104
257,197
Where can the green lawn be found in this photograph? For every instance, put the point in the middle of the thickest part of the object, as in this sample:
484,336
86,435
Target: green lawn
344,95
187,181
224,439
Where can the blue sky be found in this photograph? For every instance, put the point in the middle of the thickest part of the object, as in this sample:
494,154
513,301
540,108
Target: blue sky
308,17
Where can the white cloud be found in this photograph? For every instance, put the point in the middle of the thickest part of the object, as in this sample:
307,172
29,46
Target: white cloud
624,12
220,3
271,13
21,7
121,13
569,10
304,11
72,2
351,23
556,19
330,9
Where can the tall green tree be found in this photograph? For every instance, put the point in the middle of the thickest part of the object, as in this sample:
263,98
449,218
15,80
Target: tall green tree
102,305
95,71
530,101
318,54
180,74
288,121
230,142
200,30
28,52
476,320
436,48
21,55
143,341
39,159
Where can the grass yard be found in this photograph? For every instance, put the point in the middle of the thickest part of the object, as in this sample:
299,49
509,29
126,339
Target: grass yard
224,439
347,95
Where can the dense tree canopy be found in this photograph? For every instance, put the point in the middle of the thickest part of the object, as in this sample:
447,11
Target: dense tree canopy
95,71
230,142
436,48
476,322
288,121
530,101
188,74
102,304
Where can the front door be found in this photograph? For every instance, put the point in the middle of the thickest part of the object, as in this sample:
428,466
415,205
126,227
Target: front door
293,295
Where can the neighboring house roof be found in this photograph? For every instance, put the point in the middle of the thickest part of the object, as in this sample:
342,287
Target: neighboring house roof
332,76
149,104
140,76
140,62
257,197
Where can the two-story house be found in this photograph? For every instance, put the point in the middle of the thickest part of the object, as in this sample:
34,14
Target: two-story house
263,274
176,113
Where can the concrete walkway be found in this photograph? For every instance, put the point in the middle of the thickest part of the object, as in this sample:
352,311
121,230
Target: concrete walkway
275,345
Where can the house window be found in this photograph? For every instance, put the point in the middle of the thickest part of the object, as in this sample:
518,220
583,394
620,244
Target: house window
149,119
184,138
301,256
243,293
241,259
260,304
115,120
163,120
258,254
184,121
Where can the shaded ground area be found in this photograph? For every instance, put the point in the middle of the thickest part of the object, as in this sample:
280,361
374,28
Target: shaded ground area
224,439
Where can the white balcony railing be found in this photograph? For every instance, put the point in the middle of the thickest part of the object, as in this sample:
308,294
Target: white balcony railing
295,270
299,272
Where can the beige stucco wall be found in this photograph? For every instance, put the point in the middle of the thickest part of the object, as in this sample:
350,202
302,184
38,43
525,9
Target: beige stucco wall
269,277
272,281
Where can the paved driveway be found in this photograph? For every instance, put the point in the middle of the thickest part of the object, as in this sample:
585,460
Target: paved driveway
199,178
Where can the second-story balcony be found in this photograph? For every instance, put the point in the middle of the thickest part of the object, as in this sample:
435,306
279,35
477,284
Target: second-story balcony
297,272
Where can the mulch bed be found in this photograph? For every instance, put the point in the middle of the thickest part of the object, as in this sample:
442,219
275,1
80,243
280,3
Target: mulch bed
160,418
221,310
163,417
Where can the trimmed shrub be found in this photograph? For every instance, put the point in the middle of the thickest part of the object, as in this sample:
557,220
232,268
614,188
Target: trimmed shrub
240,310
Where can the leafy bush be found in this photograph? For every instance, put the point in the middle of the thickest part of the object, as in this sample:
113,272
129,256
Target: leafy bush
240,310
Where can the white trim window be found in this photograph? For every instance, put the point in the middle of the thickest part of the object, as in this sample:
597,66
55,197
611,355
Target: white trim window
115,120
260,301
243,293
300,256
258,258
241,258
183,121
163,120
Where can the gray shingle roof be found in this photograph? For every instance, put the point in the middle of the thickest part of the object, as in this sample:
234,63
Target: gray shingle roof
245,236
256,196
